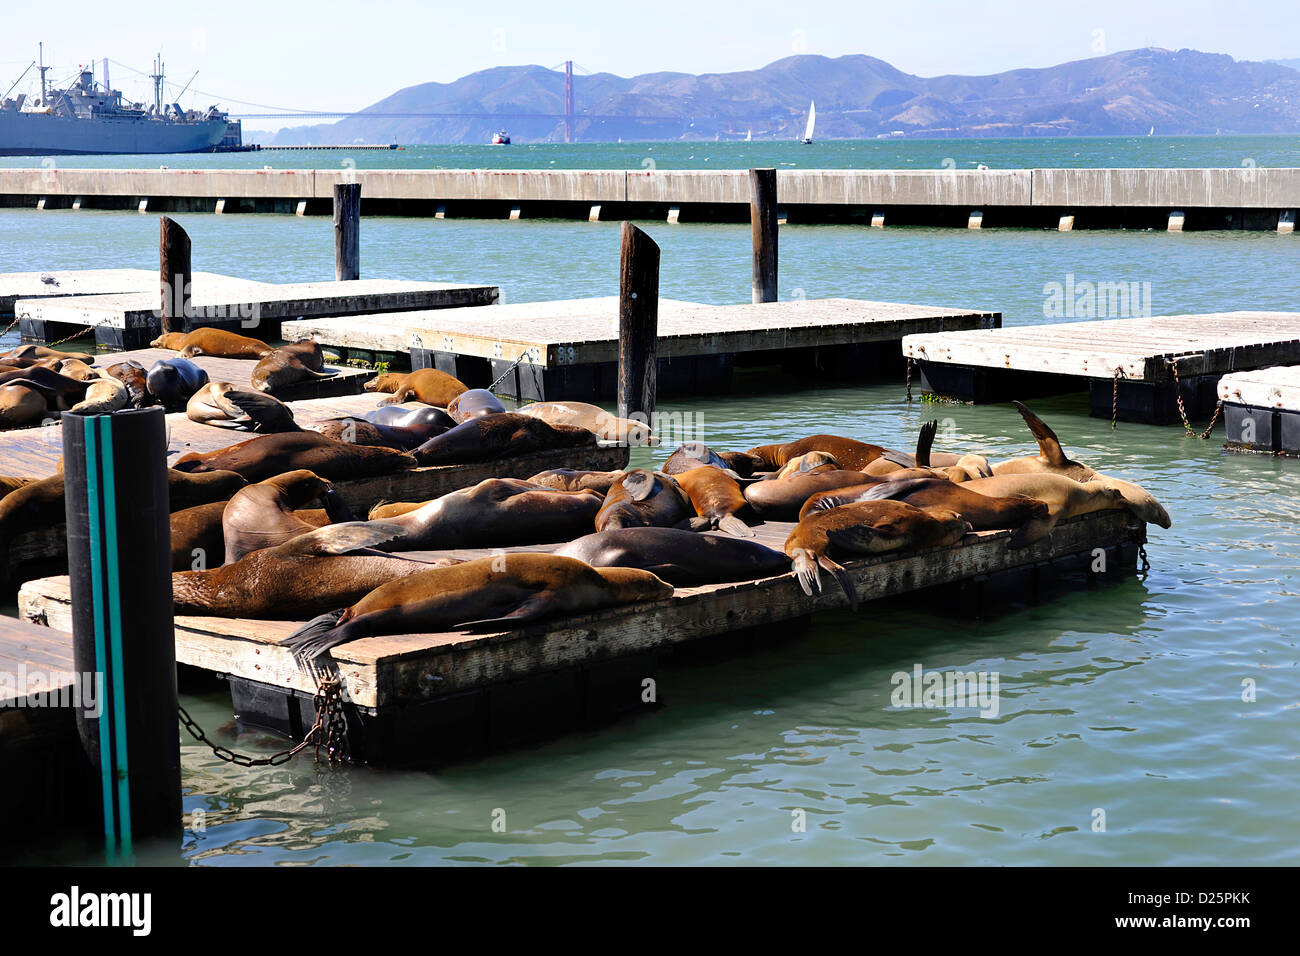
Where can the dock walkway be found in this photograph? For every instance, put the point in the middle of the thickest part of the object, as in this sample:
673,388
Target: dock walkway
1261,410
1142,365
69,282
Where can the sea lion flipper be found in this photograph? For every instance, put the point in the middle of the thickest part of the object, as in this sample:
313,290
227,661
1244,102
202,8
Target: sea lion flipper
700,523
804,565
843,576
899,458
924,442
1049,446
315,638
342,538
734,526
639,484
892,490
529,609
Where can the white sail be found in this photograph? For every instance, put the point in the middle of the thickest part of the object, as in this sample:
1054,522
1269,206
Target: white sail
812,120
749,136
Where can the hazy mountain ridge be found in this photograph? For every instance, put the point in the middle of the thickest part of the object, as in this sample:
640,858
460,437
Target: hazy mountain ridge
1181,92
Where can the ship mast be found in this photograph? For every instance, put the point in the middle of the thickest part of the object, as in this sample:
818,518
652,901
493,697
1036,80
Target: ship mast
157,77
43,69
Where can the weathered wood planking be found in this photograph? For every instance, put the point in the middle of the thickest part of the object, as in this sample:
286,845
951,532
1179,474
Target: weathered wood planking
383,672
1261,410
1143,348
35,660
585,331
1274,387
81,282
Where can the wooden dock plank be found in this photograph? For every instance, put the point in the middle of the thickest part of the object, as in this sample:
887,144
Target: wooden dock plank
383,672
37,658
82,282
1275,387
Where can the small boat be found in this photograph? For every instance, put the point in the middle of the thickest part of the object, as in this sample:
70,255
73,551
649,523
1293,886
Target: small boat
501,138
812,119
1152,131
749,135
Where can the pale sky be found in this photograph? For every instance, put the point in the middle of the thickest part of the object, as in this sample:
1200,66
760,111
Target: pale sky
346,55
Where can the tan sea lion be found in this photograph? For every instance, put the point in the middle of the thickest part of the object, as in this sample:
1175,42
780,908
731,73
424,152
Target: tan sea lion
781,498
21,406
391,509
605,425
1064,497
263,515
260,458
1052,459
38,352
682,558
104,394
426,385
59,391
504,591
810,463
474,403
281,368
75,368
642,498
218,343
497,512
224,405
567,479
716,498
172,341
495,436
866,527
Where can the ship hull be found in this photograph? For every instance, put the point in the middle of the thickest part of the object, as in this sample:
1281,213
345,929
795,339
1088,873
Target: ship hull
44,134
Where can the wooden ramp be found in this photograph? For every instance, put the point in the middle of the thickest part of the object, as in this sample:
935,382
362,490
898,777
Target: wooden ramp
436,692
131,319
1261,410
1141,365
569,349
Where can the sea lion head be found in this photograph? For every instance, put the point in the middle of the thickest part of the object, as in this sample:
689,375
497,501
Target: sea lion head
386,382
1138,500
169,340
809,462
631,585
953,527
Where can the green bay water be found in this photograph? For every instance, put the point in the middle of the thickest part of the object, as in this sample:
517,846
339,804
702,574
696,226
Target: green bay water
1125,698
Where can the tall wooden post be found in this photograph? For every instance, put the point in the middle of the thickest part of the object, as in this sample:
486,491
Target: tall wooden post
638,323
174,273
347,231
119,559
762,225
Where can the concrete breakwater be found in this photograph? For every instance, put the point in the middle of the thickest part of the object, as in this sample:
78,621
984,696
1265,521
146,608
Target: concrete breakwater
1174,199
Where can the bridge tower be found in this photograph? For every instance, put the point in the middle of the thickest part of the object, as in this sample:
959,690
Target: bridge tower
568,101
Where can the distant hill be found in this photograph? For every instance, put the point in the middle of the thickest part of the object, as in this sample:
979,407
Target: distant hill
1293,64
1177,92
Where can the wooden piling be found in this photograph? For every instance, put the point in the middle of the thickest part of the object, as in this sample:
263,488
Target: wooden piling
174,273
347,231
638,323
763,227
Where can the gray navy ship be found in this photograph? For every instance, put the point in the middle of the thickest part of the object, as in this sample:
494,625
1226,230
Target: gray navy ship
90,117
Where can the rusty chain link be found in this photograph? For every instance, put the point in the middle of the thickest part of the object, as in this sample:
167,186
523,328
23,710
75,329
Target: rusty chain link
328,731
1114,398
1182,409
908,366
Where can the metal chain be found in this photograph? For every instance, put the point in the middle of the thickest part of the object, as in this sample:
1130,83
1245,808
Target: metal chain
1114,399
1182,410
1142,555
909,381
517,362
328,732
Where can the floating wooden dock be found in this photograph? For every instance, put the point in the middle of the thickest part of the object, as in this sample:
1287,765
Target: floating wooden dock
569,348
440,695
58,283
1141,366
132,319
1261,410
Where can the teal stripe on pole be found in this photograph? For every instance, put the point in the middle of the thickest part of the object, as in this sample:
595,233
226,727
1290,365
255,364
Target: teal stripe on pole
97,592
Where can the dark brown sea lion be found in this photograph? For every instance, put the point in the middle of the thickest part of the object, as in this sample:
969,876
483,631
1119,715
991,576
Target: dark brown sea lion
1063,496
328,567
717,500
690,455
504,591
567,479
743,463
39,352
645,499
132,374
473,403
495,436
21,406
426,385
682,558
497,512
1027,517
263,515
217,343
866,527
306,351
1052,459
60,392
197,540
260,458
9,484
852,455
605,425
364,432
174,381
280,368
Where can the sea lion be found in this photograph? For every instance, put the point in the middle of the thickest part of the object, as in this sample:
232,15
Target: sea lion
104,394
410,416
690,455
426,385
262,515
853,455
951,466
9,484
1026,517
642,498
197,539
811,463
384,510
76,368
132,374
743,463
306,351
280,368
716,497
364,432
567,479
217,343
327,567
495,436
38,352
59,391
605,425
225,406
174,381
260,458
682,558
473,403
504,591
497,512
172,341
781,498
1064,497
865,527
21,406
1052,459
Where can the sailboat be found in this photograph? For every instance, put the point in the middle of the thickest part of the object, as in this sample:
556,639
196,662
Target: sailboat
812,119
749,135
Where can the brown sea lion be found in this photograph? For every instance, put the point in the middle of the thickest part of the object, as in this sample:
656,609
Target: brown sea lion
1064,497
217,343
426,385
1052,459
781,499
474,403
690,455
225,406
497,512
9,483
281,368
852,455
172,341
495,436
743,463
1027,517
504,591
260,458
306,351
642,498
328,567
263,515
76,368
132,374
605,425
20,406
104,394
716,498
197,540
865,527
811,463
567,479
682,558
60,392
39,352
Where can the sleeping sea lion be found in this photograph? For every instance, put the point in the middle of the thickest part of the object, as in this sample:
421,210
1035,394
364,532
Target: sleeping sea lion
225,406
9,484
104,394
504,591
495,436
197,539
38,352
781,498
59,391
76,368
217,343
852,455
411,415
690,455
716,498
682,558
605,425
172,341
262,515
474,403
280,368
1064,497
260,458
174,381
865,527
21,406
426,385
132,374
642,498
811,463
567,479
364,432
306,351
